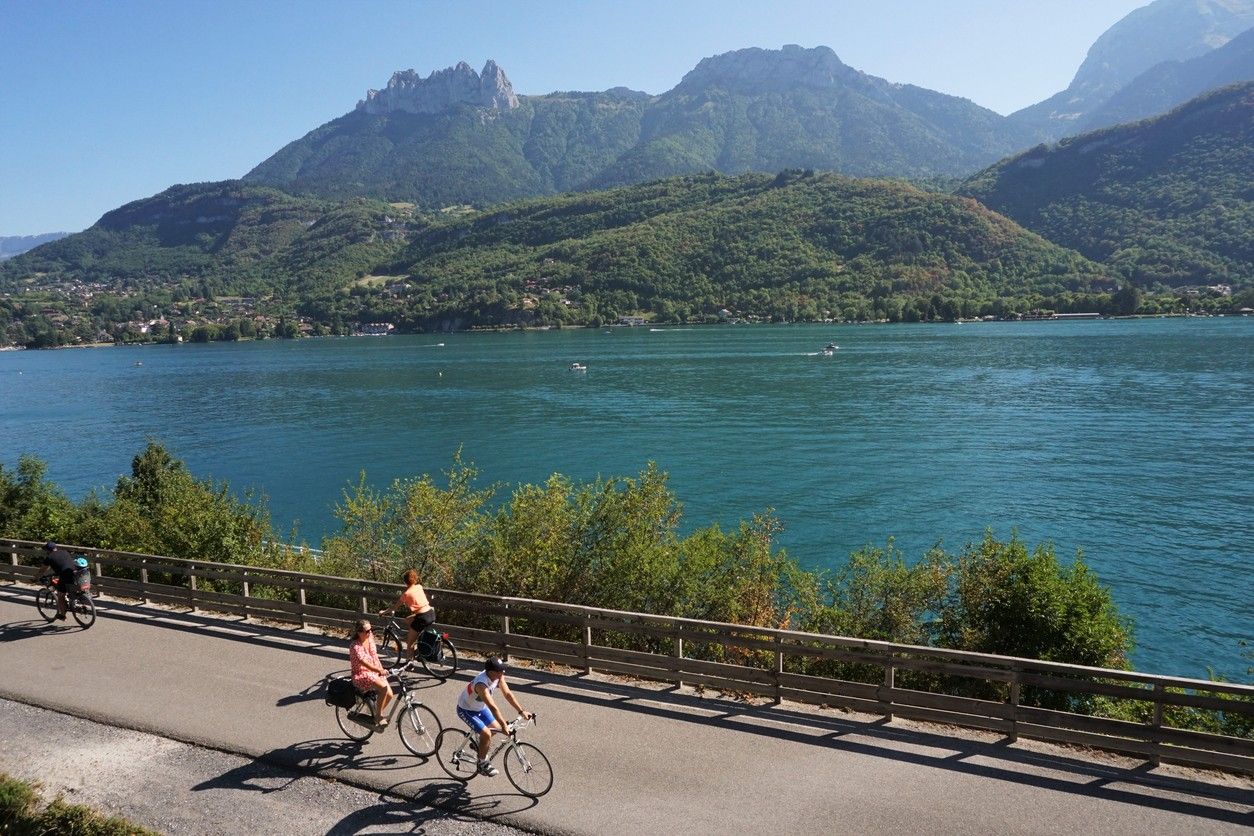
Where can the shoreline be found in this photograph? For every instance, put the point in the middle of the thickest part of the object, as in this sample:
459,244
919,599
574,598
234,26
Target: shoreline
502,329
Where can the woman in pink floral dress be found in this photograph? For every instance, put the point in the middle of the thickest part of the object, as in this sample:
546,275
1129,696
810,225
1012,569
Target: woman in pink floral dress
368,672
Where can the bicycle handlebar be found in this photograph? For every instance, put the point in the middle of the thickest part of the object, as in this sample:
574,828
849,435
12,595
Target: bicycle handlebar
521,721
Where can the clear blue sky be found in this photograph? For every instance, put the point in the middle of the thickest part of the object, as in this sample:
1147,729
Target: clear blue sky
106,102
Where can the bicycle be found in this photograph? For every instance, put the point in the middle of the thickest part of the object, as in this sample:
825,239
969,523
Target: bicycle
78,601
417,724
527,768
439,659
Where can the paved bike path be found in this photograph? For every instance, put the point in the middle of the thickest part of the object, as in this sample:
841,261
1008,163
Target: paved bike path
626,759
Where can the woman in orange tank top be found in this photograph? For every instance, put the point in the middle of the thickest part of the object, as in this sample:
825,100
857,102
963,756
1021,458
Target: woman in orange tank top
421,613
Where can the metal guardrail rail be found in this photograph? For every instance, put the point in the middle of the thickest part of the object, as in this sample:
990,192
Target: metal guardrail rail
763,654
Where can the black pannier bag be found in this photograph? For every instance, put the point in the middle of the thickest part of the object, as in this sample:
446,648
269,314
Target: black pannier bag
340,692
429,644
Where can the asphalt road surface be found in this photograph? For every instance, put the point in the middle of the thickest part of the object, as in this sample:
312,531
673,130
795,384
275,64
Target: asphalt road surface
174,787
627,759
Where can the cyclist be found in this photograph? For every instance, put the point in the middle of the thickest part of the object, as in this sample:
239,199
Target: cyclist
421,613
60,562
477,709
367,671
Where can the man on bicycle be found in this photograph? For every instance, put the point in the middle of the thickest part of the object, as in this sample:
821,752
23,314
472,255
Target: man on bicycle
59,562
477,708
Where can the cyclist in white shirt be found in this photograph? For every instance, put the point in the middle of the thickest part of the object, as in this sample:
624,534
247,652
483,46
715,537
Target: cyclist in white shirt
477,709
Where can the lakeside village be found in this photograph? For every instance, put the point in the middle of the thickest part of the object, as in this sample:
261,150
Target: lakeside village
67,317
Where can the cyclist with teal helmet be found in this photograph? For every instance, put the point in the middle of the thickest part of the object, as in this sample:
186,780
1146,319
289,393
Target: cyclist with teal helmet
63,565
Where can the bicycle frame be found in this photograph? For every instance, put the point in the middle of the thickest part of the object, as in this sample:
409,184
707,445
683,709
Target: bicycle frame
72,595
472,740
403,696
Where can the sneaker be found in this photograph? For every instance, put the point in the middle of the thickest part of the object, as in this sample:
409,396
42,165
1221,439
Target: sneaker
488,769
61,616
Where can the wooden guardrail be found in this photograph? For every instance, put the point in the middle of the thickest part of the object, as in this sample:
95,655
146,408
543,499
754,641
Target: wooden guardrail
909,681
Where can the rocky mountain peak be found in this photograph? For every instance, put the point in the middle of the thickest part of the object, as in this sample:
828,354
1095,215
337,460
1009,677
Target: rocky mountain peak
771,69
409,92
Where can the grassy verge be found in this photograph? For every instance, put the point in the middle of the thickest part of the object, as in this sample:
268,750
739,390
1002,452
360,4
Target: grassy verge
23,813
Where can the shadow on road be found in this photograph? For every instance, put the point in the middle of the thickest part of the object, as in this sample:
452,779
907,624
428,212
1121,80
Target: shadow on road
997,760
35,628
314,692
229,628
445,797
277,769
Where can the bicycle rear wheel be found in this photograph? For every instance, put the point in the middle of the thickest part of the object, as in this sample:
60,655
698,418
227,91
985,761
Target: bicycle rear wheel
46,603
84,611
443,662
457,754
393,646
528,769
419,728
351,720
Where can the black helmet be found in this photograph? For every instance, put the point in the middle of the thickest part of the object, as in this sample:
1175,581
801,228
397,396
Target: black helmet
50,546
492,663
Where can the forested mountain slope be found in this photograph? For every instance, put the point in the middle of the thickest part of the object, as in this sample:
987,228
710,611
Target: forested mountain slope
796,245
224,237
1167,200
793,246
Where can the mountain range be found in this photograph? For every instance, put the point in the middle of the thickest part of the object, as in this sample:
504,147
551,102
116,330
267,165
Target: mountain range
420,205
12,245
1163,31
1172,83
459,136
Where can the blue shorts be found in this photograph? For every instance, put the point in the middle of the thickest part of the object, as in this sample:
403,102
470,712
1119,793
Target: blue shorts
477,720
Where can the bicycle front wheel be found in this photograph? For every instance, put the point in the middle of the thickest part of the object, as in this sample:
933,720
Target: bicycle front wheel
393,646
419,728
357,722
457,754
443,662
46,603
528,770
84,611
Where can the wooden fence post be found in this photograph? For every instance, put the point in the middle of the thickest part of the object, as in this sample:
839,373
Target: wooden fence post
245,583
143,579
505,634
890,676
1015,688
587,647
1157,758
191,587
779,667
300,597
679,654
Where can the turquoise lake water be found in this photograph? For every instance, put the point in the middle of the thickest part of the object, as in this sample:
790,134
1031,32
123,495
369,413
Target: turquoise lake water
1131,439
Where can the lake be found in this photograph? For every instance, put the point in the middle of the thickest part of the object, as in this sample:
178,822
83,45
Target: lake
1129,439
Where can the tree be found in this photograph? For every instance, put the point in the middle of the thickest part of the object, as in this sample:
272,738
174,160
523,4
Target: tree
1009,601
1127,300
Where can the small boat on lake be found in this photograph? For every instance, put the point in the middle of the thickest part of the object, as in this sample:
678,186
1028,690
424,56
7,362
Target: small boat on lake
578,367
830,349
